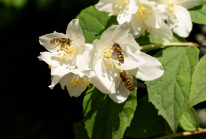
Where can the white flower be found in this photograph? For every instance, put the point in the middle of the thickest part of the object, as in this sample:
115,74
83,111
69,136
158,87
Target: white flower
76,81
179,18
74,52
123,8
107,69
149,18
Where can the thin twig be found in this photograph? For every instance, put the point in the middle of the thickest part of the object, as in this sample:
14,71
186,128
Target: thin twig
183,134
163,45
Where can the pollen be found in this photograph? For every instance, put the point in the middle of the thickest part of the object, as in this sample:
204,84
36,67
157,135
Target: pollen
121,3
143,13
77,80
49,66
68,51
170,7
58,50
71,82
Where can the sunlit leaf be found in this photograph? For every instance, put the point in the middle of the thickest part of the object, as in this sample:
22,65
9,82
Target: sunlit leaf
189,121
170,93
198,88
198,14
104,118
146,122
94,23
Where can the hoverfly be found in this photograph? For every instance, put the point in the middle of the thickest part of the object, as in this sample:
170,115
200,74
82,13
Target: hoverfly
118,53
128,82
62,41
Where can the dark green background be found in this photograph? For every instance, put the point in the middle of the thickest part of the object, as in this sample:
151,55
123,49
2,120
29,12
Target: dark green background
28,108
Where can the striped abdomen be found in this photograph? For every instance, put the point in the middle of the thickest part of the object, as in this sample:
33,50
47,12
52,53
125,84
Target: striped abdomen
126,80
118,50
120,56
59,41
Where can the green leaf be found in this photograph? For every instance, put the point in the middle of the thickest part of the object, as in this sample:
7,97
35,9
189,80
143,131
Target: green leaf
198,14
170,93
198,88
104,118
189,121
79,130
94,22
146,122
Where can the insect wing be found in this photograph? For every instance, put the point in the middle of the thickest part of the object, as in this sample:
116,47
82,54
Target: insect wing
130,56
121,87
52,46
139,84
114,55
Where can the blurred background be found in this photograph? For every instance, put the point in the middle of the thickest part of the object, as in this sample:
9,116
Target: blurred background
28,108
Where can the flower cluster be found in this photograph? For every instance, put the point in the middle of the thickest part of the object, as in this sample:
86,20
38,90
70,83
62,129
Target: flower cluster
76,65
112,61
145,15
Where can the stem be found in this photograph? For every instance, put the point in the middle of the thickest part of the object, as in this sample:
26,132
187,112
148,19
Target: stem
183,134
163,45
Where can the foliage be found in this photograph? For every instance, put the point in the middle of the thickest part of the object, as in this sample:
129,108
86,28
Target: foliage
104,118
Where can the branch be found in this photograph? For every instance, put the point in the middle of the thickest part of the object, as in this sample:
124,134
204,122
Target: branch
163,45
183,134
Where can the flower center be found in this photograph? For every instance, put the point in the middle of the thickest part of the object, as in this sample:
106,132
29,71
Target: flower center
142,13
81,81
107,56
67,51
120,3
170,7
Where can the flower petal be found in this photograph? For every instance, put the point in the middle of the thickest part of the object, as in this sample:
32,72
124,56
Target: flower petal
152,69
136,25
105,5
55,80
95,52
50,58
82,61
154,20
103,83
188,4
129,43
121,94
183,23
125,14
74,32
115,34
45,41
130,63
163,33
